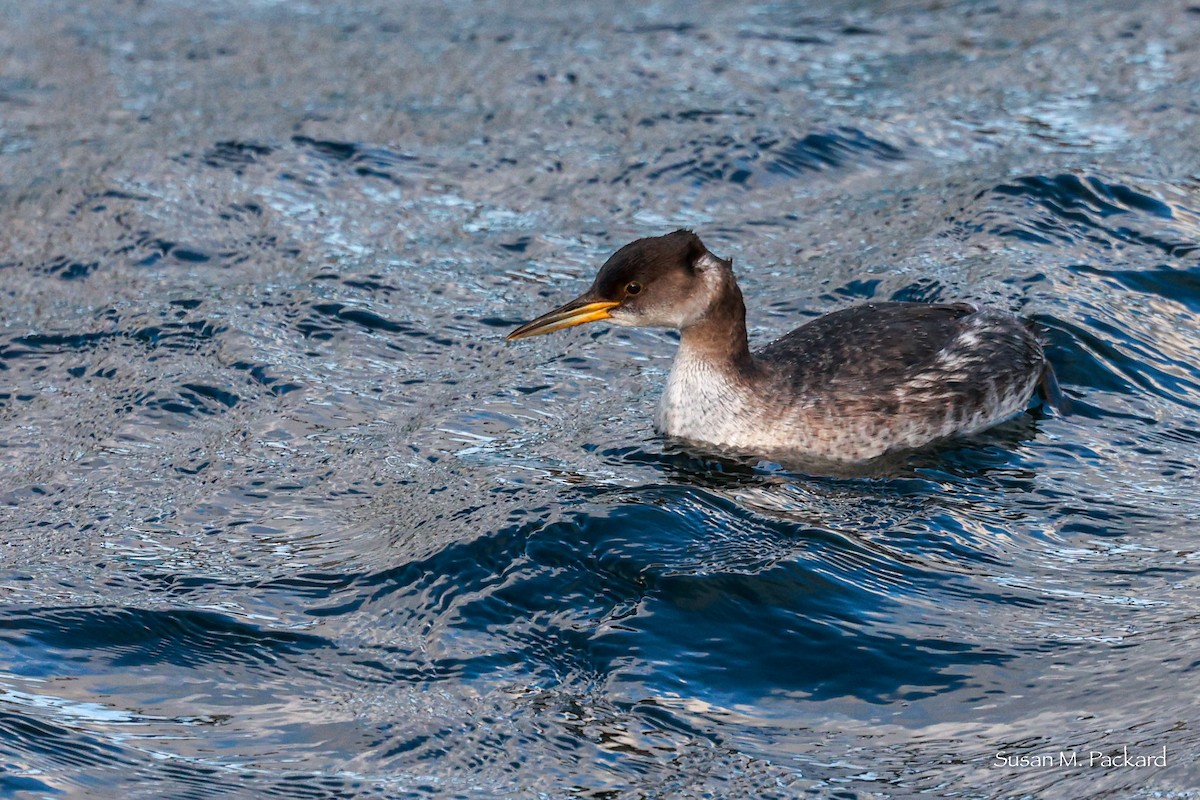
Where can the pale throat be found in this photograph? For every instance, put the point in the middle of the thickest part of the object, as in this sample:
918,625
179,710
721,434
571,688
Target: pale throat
702,399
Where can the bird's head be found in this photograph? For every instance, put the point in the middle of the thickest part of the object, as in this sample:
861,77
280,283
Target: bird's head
663,281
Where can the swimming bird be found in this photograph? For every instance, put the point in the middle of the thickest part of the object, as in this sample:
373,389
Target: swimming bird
847,387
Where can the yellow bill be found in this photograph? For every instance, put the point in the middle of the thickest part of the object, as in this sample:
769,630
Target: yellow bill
576,312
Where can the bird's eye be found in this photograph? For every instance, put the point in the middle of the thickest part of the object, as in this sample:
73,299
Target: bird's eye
633,287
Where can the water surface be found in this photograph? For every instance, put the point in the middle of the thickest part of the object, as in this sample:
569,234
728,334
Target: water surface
285,516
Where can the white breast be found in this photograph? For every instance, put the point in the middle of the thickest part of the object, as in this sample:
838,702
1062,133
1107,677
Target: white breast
703,403
707,404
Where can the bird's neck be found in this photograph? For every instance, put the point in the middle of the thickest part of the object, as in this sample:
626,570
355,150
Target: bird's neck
719,336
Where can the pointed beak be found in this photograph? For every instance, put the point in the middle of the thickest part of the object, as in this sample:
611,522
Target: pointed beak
578,311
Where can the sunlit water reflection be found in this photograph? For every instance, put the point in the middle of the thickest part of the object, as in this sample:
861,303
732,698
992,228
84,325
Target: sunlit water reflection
286,517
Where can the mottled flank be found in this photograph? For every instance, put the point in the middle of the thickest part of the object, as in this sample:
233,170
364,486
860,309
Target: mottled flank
860,382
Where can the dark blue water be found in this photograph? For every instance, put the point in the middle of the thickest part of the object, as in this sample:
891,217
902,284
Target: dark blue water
285,517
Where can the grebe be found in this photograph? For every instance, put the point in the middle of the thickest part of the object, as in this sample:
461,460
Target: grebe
848,387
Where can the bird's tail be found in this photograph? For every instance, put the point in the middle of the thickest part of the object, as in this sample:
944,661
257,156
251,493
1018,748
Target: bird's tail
1048,388
1051,392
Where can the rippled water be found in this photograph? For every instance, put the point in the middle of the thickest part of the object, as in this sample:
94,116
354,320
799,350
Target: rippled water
284,516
